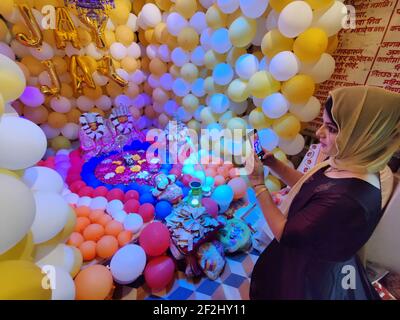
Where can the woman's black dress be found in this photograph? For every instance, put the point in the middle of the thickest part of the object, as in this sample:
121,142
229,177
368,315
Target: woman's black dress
328,222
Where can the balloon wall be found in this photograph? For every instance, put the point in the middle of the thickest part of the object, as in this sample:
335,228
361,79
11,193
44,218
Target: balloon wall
211,64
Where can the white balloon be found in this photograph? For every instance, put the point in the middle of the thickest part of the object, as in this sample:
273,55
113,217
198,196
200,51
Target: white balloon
253,8
60,104
219,103
284,65
332,19
152,51
133,222
322,70
181,87
179,57
44,52
51,215
275,106
198,87
197,56
137,77
206,3
268,138
92,50
70,131
134,50
175,23
132,22
17,207
205,39
7,51
128,263
84,103
118,51
307,112
43,179
114,206
49,131
272,20
166,81
220,41
64,286
84,202
61,256
72,198
238,107
295,18
246,66
228,6
292,147
198,22
183,115
103,103
120,216
151,15
22,143
222,74
99,203
164,53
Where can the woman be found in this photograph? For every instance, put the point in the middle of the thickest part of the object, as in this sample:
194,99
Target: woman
332,210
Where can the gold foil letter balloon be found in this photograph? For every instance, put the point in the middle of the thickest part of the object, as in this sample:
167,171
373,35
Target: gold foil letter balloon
65,29
106,67
35,38
56,84
80,73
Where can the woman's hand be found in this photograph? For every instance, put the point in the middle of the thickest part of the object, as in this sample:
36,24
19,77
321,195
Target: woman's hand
269,158
256,177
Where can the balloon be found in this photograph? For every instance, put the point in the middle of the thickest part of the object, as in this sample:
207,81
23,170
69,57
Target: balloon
258,120
299,89
284,66
253,8
60,142
292,147
43,179
159,272
51,216
155,239
238,90
228,6
310,45
17,216
330,19
150,14
32,97
181,87
287,127
64,288
307,112
274,42
186,8
242,31
295,18
198,22
189,72
163,209
70,131
188,39
12,79
198,87
133,223
106,247
219,103
215,17
268,139
239,187
220,41
246,66
22,280
175,23
93,283
128,263
222,74
275,106
25,139
23,250
262,84
320,71
278,5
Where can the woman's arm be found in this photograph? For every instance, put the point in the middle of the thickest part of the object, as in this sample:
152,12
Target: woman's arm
287,174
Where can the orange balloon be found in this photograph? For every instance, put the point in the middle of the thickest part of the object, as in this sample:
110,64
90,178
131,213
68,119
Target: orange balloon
104,220
106,247
96,215
233,173
93,232
37,115
124,237
66,91
88,250
223,171
73,115
219,180
81,224
75,239
211,172
113,228
93,283
83,211
57,120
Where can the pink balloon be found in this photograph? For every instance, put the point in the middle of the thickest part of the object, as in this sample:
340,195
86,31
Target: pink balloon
233,173
239,187
223,171
211,206
155,239
219,180
210,172
159,272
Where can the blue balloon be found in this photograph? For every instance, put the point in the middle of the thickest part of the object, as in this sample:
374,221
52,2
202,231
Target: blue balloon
147,198
223,194
185,191
163,209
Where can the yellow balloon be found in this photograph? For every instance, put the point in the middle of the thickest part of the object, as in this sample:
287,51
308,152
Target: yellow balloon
194,125
188,39
274,42
278,5
150,36
262,84
157,67
242,31
279,154
238,90
109,37
161,33
207,116
287,126
34,66
272,183
22,280
189,72
333,43
212,58
9,173
12,79
190,103
186,8
57,120
258,119
3,30
164,5
137,6
234,54
215,17
124,34
299,89
209,85
319,4
78,261
311,44
84,36
21,251
119,15
59,143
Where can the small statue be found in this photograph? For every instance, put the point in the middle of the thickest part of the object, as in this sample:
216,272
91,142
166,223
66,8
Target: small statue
94,135
166,189
211,259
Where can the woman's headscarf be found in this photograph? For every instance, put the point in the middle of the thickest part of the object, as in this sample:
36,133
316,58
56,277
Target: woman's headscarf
368,120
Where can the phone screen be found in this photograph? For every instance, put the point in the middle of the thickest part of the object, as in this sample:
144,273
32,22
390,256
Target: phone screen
256,144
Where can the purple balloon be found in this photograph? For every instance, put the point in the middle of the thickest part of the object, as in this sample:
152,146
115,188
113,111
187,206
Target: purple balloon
32,97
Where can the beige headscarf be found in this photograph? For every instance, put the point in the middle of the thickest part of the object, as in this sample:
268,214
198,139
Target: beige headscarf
368,119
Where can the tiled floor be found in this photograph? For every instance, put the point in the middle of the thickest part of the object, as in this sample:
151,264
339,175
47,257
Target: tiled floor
233,284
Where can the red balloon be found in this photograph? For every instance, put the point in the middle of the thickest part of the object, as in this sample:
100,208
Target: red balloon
177,172
100,192
186,179
114,194
155,239
131,194
77,185
86,192
146,210
132,206
73,177
211,206
159,272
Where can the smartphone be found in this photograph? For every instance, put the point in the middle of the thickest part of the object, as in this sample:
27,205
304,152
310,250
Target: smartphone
253,136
